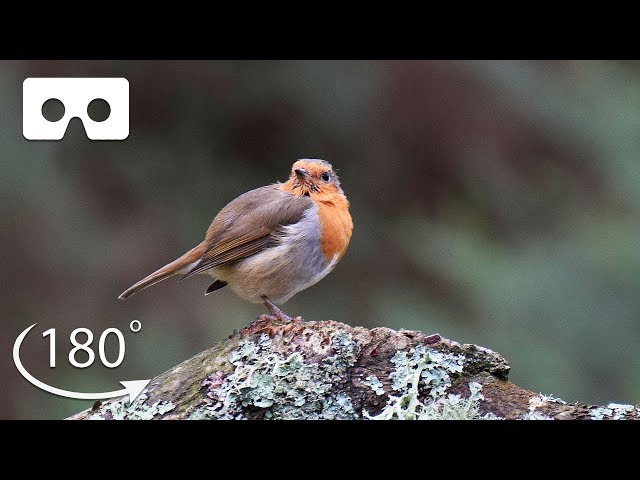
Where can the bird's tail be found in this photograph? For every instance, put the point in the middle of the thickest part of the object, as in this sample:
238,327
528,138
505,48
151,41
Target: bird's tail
179,265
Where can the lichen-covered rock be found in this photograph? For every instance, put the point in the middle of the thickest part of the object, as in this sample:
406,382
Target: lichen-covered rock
269,384
329,370
139,409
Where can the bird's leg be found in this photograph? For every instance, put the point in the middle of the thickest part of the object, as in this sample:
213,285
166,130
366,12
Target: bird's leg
275,310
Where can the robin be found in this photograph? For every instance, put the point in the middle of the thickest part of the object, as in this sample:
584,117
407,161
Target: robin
272,242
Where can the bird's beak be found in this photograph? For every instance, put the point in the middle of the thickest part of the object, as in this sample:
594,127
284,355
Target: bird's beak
301,173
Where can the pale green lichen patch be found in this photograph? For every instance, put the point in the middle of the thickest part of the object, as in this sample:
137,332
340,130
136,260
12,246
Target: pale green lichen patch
551,399
138,410
600,413
455,407
425,372
540,401
375,384
613,411
536,416
620,410
268,384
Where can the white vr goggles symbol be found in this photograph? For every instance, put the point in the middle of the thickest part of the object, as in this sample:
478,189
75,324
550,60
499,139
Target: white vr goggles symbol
75,94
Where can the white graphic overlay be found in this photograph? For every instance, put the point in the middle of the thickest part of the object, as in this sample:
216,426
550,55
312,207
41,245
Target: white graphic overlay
75,94
132,388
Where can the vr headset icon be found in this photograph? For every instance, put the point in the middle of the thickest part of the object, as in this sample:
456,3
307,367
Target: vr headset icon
75,94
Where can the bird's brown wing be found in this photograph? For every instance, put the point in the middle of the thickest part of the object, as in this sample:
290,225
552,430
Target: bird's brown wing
246,225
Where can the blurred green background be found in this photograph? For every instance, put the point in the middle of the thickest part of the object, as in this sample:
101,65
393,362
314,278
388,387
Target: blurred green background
494,202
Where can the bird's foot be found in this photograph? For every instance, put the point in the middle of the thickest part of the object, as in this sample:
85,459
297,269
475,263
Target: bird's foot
275,310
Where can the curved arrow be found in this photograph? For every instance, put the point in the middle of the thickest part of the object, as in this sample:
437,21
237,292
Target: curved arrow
133,388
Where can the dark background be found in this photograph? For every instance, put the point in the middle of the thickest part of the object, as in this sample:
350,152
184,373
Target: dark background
494,202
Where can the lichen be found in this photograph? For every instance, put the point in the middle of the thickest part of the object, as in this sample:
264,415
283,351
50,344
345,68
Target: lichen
375,384
536,416
422,373
273,386
551,399
613,411
539,401
455,407
620,410
600,413
138,410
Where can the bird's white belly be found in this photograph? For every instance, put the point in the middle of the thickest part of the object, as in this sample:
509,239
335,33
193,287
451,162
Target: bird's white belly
280,272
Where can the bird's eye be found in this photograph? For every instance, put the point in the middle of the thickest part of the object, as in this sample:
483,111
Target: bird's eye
325,177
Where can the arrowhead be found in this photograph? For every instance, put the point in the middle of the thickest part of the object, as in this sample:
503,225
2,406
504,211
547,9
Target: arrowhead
134,388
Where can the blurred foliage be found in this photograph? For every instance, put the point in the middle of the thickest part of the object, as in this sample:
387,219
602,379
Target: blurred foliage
494,202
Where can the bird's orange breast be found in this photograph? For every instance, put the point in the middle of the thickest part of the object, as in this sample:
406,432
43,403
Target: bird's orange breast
336,224
334,218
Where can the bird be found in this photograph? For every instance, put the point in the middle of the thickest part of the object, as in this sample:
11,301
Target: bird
271,242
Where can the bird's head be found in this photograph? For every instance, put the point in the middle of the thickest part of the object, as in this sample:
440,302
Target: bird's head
314,178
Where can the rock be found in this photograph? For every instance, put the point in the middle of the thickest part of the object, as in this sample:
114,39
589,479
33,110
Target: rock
329,370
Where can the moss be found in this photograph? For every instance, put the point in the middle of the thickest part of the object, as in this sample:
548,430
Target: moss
267,384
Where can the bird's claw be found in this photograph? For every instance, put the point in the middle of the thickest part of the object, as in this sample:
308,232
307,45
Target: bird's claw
275,310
